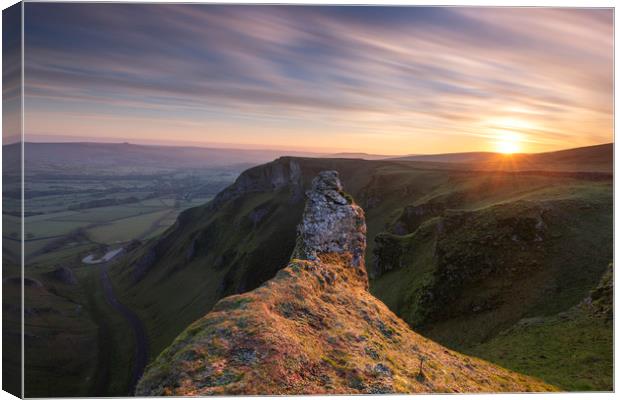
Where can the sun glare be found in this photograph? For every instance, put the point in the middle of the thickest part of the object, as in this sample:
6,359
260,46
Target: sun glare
508,143
506,147
508,133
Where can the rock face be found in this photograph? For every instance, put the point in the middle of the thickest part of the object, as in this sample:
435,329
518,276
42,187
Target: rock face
331,222
601,299
273,176
315,329
413,216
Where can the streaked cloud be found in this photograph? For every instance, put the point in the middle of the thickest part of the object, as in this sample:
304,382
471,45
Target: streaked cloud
382,79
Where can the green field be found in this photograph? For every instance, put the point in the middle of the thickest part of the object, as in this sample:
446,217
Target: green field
77,345
101,225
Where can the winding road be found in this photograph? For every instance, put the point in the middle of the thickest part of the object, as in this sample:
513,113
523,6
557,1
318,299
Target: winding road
141,349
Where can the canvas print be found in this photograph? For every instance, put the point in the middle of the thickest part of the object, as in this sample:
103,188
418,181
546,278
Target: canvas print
230,199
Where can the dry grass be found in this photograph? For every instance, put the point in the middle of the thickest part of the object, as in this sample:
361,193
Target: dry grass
315,329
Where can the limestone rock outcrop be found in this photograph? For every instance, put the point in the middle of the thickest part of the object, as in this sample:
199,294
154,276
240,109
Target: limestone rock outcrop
331,223
316,329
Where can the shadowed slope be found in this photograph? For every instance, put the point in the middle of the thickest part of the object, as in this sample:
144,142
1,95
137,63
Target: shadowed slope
315,328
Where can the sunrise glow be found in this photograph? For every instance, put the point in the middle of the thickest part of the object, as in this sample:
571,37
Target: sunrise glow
508,142
508,147
338,78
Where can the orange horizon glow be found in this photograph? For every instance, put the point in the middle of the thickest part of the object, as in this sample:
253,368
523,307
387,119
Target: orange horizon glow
506,135
494,147
378,80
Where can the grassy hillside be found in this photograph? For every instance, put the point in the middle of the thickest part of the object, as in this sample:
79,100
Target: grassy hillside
229,246
326,338
75,344
497,263
315,329
462,255
572,349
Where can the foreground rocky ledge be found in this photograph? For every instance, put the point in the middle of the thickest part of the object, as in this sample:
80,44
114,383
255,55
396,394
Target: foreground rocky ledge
315,328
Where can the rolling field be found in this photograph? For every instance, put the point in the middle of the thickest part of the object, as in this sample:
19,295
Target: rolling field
140,226
77,344
90,340
100,226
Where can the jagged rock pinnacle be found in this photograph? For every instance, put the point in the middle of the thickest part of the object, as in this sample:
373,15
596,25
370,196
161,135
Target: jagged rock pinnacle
331,223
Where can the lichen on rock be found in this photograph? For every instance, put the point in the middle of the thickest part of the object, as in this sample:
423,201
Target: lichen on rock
331,224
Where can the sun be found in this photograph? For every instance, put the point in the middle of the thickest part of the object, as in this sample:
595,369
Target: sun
508,143
507,147
508,134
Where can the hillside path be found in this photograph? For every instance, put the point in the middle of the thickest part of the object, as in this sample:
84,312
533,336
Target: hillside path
141,350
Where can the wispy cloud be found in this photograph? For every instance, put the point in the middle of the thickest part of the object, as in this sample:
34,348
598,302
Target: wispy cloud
402,79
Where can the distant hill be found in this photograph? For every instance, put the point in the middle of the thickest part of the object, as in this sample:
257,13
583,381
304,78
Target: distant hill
361,156
599,154
84,157
598,158
474,156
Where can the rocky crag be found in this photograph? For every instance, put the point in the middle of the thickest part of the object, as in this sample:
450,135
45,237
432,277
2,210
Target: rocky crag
314,328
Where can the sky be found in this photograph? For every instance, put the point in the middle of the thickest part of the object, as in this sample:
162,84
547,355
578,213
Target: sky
11,74
382,80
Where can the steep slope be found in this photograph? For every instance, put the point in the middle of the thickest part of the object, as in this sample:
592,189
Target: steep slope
315,328
478,271
231,245
572,349
428,238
